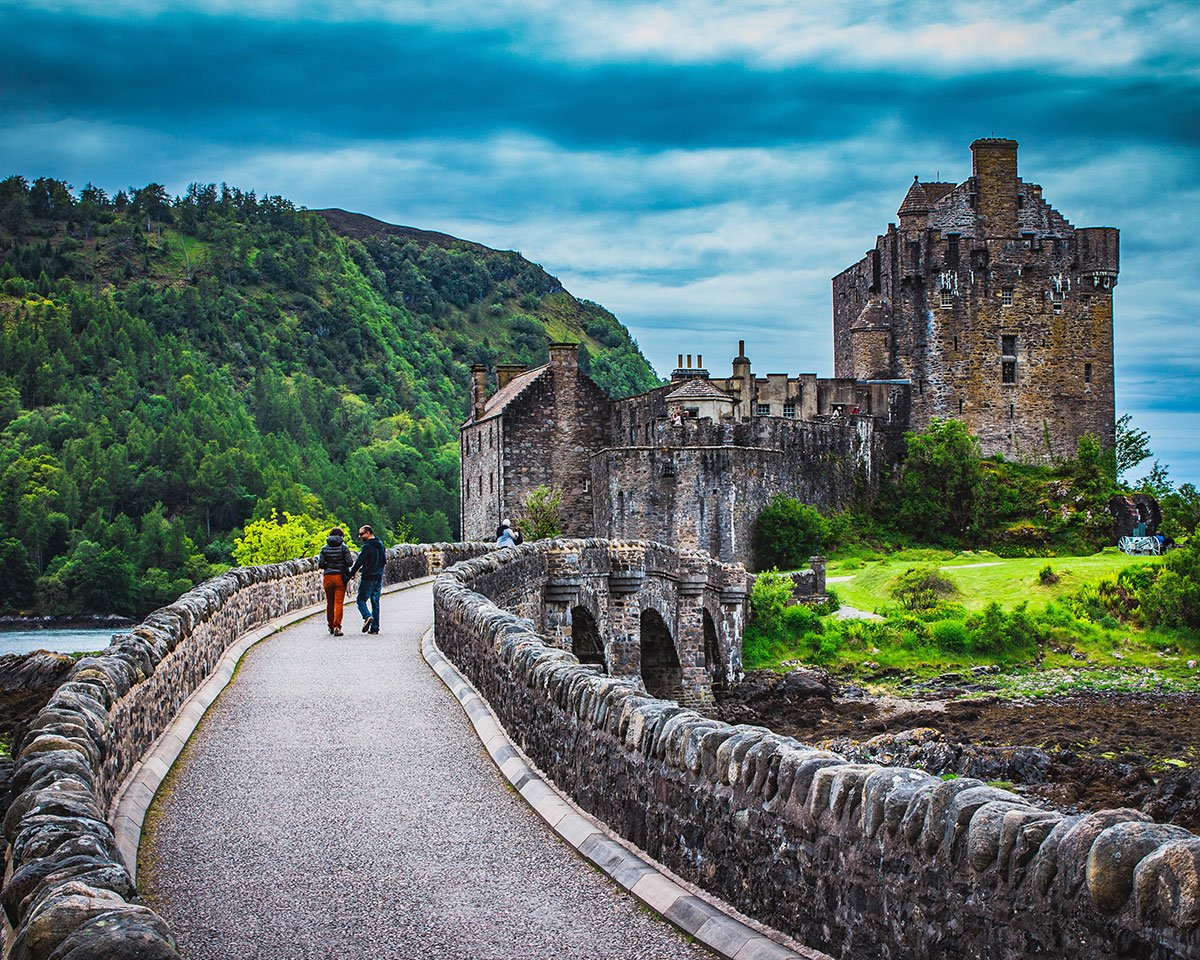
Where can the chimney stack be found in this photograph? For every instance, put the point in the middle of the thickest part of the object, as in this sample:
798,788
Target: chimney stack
680,363
505,373
699,361
478,390
689,366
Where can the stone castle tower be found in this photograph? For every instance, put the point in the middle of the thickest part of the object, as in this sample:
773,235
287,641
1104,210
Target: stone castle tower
994,307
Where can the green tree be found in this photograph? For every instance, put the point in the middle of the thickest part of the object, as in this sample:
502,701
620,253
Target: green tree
541,514
788,532
1133,445
941,481
277,539
20,576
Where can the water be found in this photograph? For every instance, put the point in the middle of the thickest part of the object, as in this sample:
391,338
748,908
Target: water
60,641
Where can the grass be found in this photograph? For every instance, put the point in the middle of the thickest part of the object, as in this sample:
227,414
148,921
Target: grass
1070,654
980,576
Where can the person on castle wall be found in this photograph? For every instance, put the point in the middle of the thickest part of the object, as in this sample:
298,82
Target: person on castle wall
507,535
677,419
371,561
335,559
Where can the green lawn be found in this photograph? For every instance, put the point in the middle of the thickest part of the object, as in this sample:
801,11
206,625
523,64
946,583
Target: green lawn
982,577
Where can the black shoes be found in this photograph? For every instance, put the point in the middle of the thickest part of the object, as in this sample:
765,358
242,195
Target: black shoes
368,624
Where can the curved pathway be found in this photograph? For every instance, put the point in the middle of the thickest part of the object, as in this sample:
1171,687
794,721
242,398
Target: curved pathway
335,803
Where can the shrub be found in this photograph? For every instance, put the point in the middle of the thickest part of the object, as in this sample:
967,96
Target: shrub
922,588
1047,577
788,532
274,540
1009,635
950,635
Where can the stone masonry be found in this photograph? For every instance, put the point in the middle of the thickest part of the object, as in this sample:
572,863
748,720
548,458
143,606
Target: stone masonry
993,306
855,859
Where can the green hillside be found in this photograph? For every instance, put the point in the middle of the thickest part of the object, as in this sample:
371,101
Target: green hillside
172,366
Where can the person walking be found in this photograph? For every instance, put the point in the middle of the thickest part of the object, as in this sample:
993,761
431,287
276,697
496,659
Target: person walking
371,561
335,559
506,535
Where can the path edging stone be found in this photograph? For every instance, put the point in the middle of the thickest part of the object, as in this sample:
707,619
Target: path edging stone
709,920
137,792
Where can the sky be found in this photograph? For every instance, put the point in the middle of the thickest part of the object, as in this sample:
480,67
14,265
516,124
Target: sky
702,168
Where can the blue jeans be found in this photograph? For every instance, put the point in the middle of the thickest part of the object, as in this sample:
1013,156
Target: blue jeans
368,590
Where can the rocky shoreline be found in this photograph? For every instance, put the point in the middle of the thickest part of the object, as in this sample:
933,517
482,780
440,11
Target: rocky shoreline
1076,752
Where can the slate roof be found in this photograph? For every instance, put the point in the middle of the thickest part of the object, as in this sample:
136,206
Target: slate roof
699,388
922,196
497,402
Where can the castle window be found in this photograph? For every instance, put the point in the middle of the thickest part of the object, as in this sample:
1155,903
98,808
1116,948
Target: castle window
1020,201
1008,371
947,298
1012,408
1006,297
1087,301
1056,300
960,406
491,483
1008,344
668,468
762,409
1087,373
587,485
481,484
956,344
789,411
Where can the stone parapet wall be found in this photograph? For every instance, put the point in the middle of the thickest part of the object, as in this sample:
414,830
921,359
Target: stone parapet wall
854,859
69,893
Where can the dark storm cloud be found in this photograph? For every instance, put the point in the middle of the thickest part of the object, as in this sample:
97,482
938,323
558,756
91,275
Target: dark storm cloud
255,81
703,175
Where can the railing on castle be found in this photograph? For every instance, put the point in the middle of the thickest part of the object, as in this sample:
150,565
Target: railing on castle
67,891
855,859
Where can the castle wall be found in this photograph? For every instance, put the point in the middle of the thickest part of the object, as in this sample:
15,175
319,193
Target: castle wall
702,485
481,479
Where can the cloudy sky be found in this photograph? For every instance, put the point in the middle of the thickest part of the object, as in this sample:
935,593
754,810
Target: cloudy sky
700,167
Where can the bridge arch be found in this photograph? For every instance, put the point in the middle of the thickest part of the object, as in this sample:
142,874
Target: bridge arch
714,662
661,670
586,641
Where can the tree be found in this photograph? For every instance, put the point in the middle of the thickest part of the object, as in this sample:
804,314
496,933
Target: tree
1133,445
542,509
20,575
788,532
941,480
276,540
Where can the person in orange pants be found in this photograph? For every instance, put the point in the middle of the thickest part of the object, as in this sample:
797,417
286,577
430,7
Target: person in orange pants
335,559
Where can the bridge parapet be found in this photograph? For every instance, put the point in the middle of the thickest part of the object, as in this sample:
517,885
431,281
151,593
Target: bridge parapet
69,892
854,859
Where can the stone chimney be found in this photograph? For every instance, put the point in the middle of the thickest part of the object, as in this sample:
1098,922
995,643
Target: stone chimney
745,385
505,373
564,355
478,390
994,167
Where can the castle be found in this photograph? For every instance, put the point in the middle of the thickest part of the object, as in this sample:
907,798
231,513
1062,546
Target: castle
984,305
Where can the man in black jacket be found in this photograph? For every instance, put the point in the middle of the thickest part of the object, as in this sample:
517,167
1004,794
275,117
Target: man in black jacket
371,561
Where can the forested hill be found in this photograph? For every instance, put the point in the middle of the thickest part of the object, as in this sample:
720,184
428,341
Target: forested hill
171,367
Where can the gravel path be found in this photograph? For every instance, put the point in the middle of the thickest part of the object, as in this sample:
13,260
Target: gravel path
335,803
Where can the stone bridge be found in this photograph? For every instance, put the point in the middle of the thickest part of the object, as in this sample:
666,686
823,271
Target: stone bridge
672,618
335,816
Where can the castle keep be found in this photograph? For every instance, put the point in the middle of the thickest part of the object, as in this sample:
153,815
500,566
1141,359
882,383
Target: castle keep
994,308
983,305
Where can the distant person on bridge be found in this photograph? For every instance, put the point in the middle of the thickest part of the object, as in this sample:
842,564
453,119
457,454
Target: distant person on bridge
335,559
506,535
371,561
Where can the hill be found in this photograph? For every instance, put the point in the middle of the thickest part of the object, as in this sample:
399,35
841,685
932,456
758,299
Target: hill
171,367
